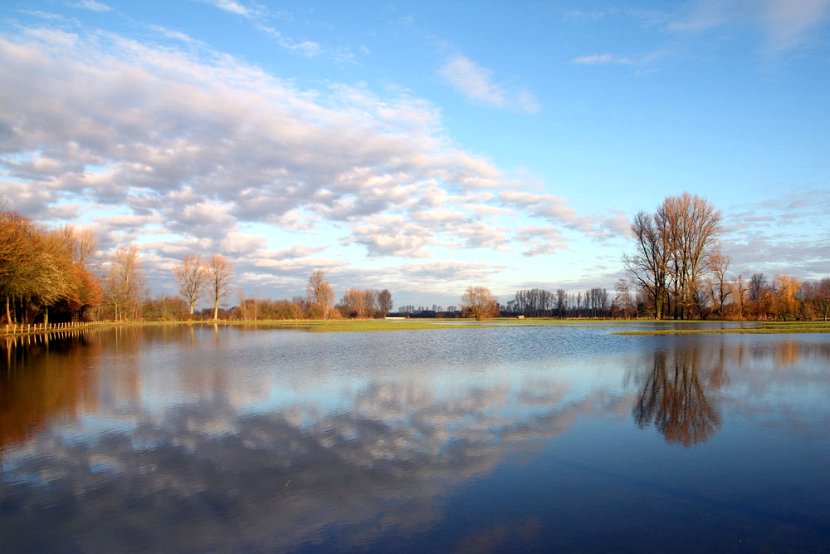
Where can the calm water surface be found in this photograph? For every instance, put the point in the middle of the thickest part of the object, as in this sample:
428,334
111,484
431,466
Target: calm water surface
446,440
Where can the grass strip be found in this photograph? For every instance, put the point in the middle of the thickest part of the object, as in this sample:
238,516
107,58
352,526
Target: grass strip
761,328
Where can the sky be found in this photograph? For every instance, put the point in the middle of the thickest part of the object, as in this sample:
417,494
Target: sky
422,147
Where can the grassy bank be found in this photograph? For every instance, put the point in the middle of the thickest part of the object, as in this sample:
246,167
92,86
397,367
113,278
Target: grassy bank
755,328
358,325
375,325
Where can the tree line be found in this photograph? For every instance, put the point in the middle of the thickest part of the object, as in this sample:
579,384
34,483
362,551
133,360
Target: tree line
676,270
49,275
680,272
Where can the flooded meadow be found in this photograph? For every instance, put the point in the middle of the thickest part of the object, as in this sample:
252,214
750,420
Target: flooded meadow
525,438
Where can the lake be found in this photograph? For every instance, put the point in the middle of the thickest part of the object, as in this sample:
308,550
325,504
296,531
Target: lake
525,438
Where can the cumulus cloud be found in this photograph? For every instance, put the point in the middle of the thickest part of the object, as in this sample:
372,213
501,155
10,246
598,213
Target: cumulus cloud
557,210
477,84
212,132
540,240
191,144
759,236
547,206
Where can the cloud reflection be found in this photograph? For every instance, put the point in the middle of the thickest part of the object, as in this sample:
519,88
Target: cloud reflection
213,468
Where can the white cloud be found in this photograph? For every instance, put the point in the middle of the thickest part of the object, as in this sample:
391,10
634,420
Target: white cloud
785,23
603,59
541,240
638,61
93,6
476,83
547,206
788,22
307,48
214,155
231,6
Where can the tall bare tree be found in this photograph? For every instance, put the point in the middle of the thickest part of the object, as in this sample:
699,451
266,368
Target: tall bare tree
692,225
480,303
719,288
192,277
218,270
124,283
320,295
672,251
649,265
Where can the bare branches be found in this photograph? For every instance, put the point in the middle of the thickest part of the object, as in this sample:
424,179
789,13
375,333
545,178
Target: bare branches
384,302
192,277
124,283
672,250
219,280
480,303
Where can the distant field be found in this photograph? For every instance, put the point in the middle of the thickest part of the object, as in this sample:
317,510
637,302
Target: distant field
371,325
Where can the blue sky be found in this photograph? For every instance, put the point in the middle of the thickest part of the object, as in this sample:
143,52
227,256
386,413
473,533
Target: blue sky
422,147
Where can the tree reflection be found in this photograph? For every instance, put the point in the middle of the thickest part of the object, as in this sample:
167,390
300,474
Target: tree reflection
674,397
42,383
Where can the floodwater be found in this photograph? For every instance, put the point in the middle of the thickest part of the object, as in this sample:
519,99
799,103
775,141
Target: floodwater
522,438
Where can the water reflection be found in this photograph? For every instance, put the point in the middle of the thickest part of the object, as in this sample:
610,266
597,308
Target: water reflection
38,389
679,396
182,439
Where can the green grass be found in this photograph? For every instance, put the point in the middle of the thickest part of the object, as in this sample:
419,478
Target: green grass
359,325
375,325
756,328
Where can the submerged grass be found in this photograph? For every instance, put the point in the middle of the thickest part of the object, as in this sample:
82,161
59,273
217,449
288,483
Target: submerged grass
755,328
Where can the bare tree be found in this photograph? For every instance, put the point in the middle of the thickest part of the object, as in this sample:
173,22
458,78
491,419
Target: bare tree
191,276
124,283
719,288
649,264
692,225
218,280
758,291
623,298
384,302
479,302
320,295
672,251
822,297
561,302
80,243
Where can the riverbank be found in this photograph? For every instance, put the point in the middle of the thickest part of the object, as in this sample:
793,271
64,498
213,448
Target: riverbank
376,325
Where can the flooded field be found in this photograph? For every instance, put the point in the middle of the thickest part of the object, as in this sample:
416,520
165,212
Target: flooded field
526,438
